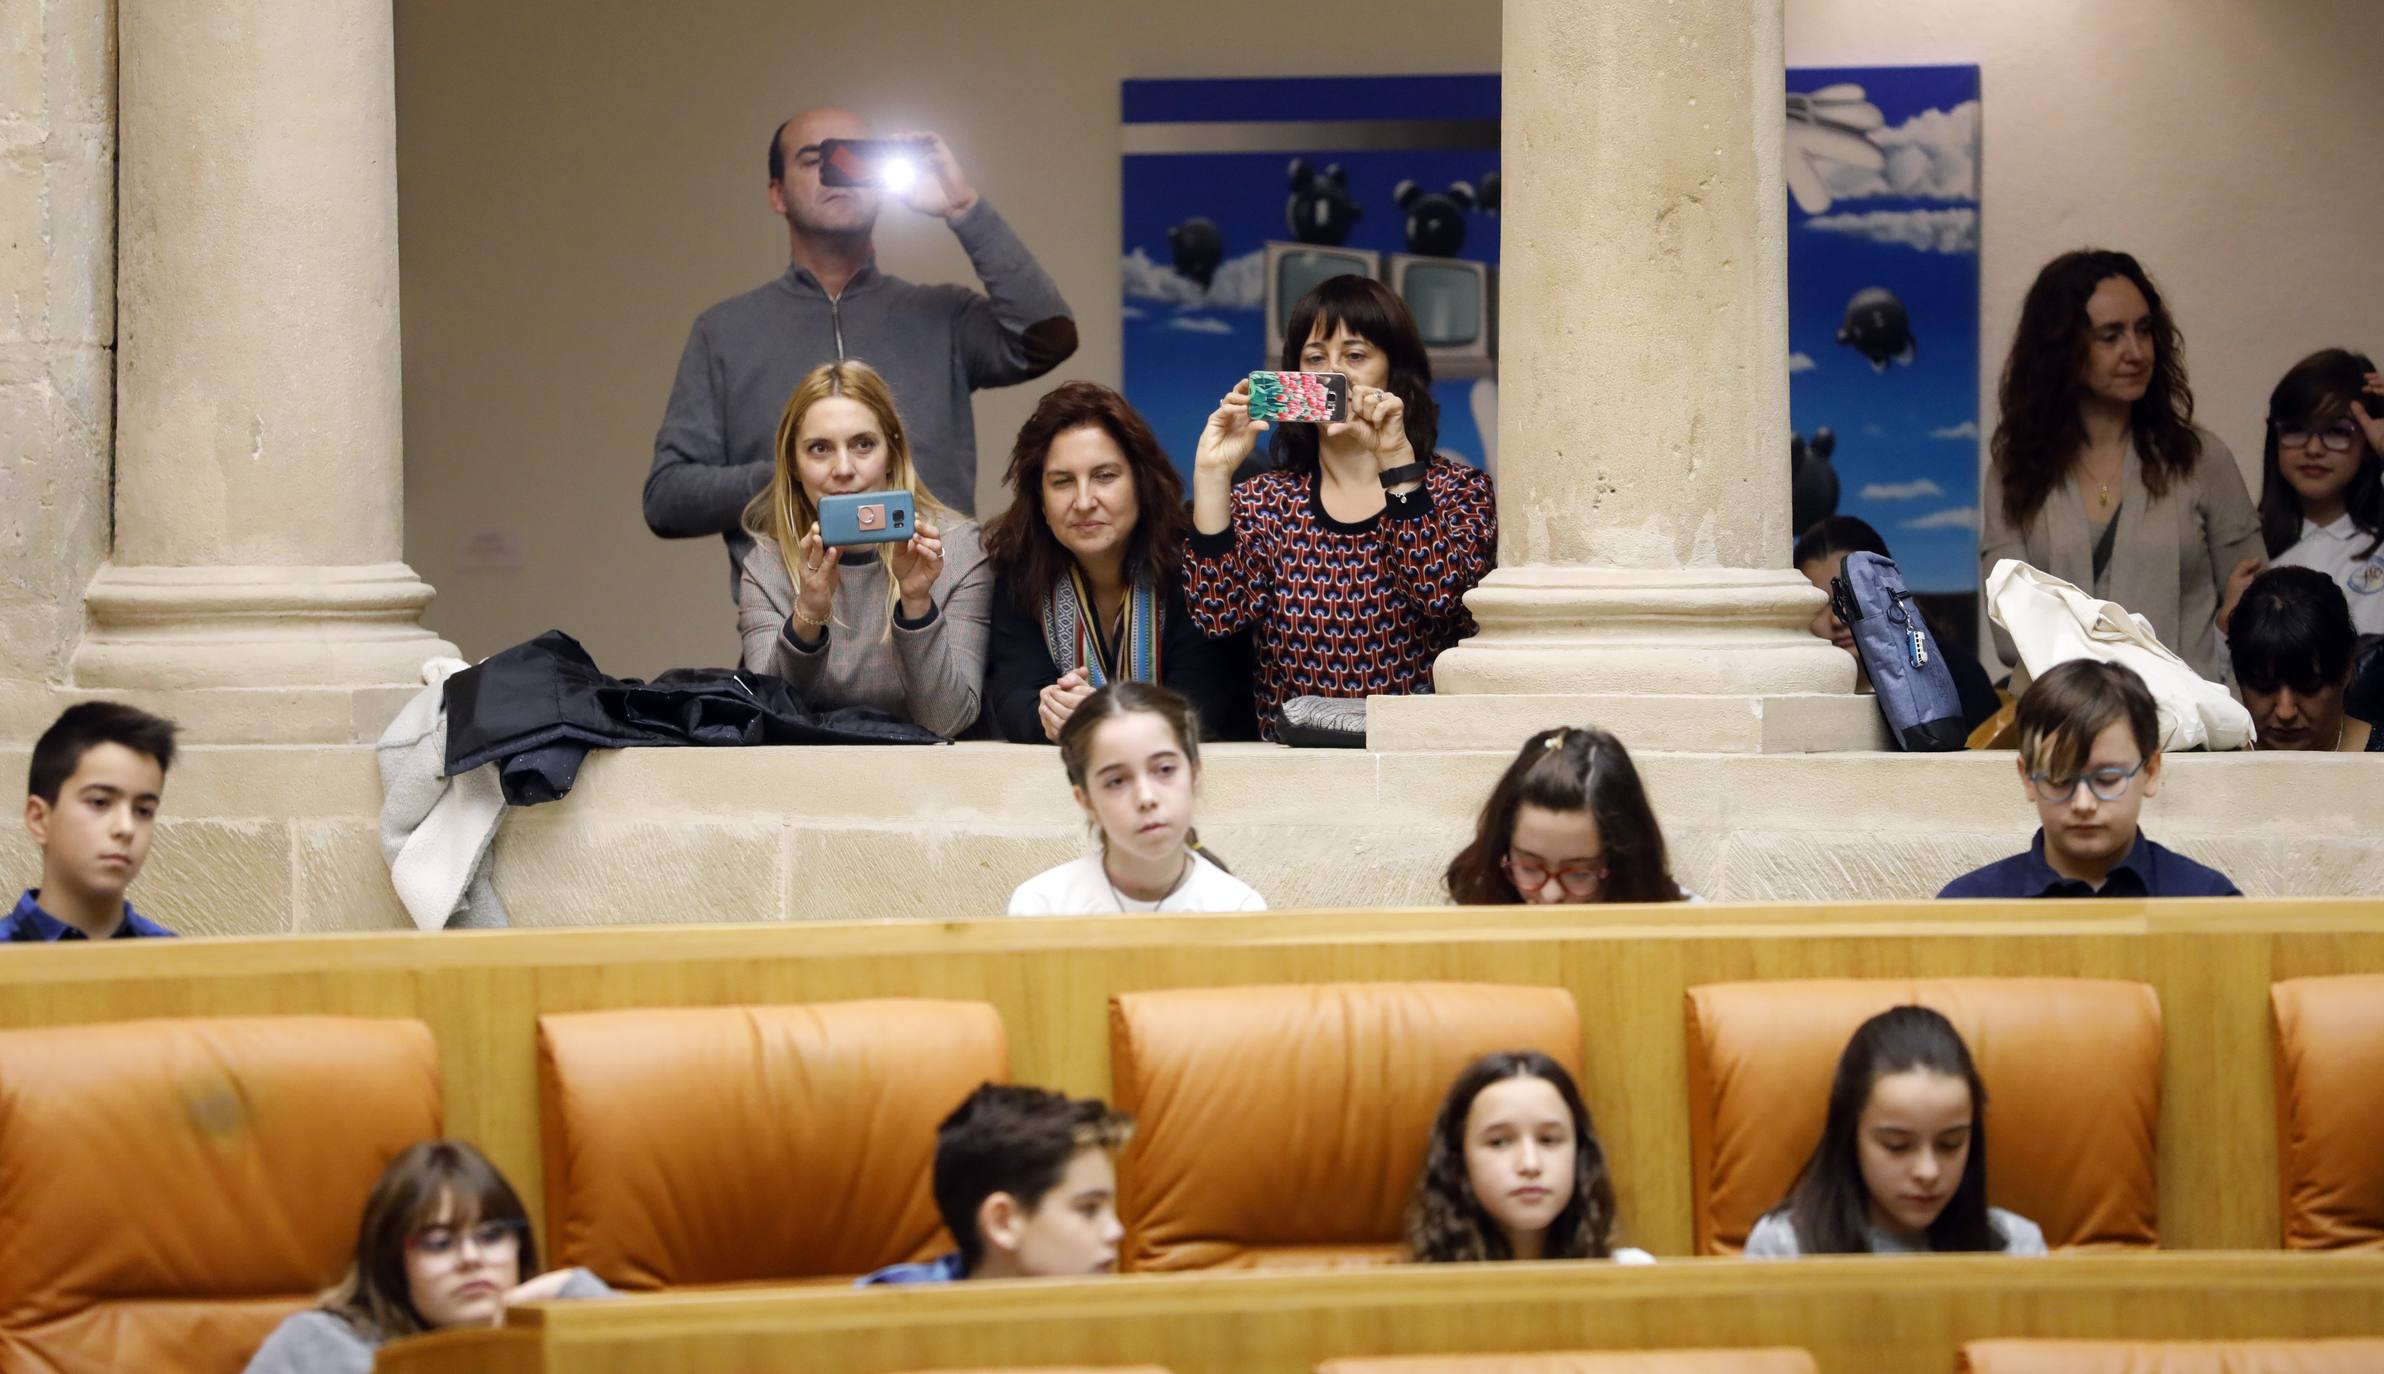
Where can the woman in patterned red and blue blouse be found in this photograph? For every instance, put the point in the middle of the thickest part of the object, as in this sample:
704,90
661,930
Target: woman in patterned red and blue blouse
1353,555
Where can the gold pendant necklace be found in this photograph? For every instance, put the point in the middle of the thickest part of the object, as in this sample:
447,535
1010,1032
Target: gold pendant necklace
2103,494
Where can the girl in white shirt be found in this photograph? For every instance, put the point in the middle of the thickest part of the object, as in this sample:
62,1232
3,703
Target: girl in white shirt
1132,751
2322,483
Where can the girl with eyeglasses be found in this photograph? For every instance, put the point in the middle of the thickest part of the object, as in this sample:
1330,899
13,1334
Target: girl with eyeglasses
1568,822
444,1242
2322,477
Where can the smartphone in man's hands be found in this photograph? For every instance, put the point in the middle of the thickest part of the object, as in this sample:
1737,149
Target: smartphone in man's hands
1308,397
893,163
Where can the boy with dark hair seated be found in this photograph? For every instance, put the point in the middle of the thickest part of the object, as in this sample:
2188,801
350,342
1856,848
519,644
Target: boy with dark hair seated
90,806
2089,756
1024,1181
2291,644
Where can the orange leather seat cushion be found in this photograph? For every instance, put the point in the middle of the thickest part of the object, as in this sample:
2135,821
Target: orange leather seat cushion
720,1145
2330,1110
1768,1361
1285,1126
2357,1356
1762,1055
235,1156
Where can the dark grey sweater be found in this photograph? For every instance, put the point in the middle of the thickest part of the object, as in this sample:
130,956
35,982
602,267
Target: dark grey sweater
934,344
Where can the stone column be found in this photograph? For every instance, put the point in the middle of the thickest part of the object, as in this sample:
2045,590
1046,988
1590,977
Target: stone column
57,337
1643,579
258,574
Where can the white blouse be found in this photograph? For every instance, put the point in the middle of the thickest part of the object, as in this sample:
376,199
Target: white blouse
1082,888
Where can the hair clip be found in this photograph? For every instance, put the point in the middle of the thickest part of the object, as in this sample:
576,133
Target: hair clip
1556,741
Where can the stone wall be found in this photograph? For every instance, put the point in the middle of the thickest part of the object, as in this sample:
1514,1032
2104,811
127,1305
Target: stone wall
275,840
57,335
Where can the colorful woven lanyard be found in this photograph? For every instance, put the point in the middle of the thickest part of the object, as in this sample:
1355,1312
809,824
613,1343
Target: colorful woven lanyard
1141,641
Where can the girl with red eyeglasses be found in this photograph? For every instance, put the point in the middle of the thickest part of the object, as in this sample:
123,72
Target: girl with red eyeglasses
1568,822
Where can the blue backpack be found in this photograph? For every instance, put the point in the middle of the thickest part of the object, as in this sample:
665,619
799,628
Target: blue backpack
1914,686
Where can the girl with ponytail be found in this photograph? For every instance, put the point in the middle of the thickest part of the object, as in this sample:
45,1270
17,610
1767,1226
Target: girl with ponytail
1132,751
1568,822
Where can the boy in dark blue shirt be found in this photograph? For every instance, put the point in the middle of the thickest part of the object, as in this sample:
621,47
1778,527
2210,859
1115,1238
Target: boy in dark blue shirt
91,807
1025,1184
2089,756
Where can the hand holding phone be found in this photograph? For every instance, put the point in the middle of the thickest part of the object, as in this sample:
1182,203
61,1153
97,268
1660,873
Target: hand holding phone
1308,397
893,163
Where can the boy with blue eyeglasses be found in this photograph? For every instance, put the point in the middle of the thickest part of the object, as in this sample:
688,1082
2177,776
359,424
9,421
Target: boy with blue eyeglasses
2089,756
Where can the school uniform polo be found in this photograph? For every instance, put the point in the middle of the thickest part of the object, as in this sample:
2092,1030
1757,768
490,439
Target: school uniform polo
2342,551
2149,870
29,924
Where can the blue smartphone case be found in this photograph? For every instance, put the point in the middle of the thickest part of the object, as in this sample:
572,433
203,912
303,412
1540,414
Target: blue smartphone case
869,517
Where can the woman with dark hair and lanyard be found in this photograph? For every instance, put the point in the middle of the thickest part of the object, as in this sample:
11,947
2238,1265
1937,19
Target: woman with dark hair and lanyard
1088,576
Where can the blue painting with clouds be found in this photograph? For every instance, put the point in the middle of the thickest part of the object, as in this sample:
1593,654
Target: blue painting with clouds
1899,217
1187,343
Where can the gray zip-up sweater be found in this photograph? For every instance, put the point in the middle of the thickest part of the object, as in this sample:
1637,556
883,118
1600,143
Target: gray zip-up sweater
931,673
934,345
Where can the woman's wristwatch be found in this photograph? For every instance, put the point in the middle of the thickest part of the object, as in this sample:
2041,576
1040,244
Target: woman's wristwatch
1412,472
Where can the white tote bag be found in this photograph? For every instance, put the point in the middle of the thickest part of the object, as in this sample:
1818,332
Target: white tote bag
2051,621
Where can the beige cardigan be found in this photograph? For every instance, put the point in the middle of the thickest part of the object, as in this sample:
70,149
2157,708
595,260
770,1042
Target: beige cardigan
931,675
2169,562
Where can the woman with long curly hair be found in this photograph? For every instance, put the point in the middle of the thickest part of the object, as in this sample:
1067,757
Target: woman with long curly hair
2098,473
1088,575
1567,822
1514,1170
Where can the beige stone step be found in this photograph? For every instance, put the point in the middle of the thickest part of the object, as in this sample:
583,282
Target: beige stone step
261,839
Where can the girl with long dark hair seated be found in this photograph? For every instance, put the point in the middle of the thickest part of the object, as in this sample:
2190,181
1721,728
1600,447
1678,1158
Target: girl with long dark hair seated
1088,567
1902,1161
1567,822
1514,1170
2322,477
1352,558
444,1242
2098,473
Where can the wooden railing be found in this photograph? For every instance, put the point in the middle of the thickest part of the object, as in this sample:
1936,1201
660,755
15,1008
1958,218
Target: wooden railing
1628,968
1855,1315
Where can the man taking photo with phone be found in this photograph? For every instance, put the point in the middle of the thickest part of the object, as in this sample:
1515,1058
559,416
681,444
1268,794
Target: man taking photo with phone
934,343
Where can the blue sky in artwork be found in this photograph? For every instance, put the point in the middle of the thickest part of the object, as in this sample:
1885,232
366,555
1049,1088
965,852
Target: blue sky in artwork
1907,438
1185,348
